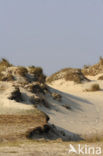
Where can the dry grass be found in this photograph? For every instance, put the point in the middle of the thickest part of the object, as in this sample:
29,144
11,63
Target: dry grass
38,74
35,70
56,96
8,77
35,88
94,138
69,74
14,127
93,88
52,78
74,76
3,65
101,60
1,76
22,71
16,95
94,69
100,78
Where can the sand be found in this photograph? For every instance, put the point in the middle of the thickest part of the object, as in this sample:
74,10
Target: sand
85,117
79,113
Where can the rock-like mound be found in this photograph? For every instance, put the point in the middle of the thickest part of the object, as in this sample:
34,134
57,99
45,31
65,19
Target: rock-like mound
95,69
69,74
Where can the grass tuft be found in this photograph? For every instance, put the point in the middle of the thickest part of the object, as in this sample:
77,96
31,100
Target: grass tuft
94,87
22,71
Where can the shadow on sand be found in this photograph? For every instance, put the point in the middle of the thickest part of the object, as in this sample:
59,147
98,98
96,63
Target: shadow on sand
70,102
51,132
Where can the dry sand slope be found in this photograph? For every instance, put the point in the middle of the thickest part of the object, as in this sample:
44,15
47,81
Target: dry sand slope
79,112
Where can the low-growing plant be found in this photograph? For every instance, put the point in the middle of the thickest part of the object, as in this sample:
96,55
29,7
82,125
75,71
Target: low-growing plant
35,70
37,73
1,76
86,66
35,100
16,95
4,64
52,78
100,78
101,60
36,88
69,74
94,87
94,69
22,71
8,77
75,75
56,96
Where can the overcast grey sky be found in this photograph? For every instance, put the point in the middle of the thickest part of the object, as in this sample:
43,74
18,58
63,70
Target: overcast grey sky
51,33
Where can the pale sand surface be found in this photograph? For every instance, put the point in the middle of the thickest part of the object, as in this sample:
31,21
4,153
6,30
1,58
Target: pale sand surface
84,118
11,106
43,149
86,114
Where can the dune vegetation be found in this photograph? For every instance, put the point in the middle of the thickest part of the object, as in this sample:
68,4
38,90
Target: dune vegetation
50,109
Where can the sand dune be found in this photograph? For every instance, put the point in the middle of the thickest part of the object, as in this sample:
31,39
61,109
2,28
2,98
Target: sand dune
84,116
77,115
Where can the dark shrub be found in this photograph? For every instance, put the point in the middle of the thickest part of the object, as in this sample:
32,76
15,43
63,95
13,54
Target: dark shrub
16,95
8,77
5,63
100,78
37,73
94,87
56,96
22,71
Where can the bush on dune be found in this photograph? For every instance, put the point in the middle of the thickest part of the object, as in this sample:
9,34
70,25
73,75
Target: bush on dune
69,74
4,64
8,77
100,78
75,76
35,70
94,69
16,95
38,74
94,87
22,71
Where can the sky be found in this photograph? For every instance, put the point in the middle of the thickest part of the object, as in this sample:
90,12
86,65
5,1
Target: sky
53,34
